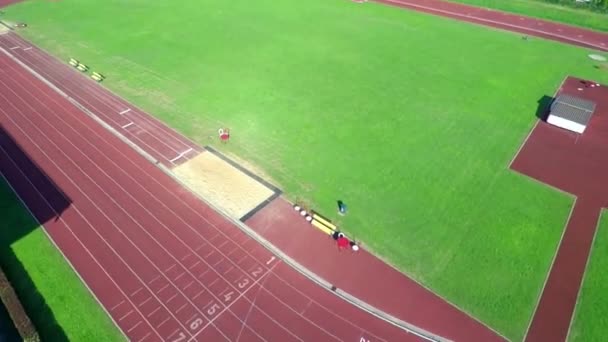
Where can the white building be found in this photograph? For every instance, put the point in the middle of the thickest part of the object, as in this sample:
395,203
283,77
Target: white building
571,113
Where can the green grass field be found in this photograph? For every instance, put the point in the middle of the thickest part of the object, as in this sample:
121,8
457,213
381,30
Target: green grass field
591,317
410,119
544,10
58,304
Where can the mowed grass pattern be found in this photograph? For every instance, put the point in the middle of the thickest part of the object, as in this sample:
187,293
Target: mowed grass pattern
591,316
57,302
411,119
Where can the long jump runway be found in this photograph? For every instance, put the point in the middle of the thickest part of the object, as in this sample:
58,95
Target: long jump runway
164,265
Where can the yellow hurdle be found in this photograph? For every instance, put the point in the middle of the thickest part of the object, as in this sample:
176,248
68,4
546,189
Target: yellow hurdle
96,78
325,229
74,62
82,67
324,221
98,75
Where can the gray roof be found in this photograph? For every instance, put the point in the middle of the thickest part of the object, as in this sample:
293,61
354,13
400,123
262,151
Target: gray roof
573,108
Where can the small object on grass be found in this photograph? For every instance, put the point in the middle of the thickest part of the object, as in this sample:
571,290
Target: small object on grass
224,134
341,208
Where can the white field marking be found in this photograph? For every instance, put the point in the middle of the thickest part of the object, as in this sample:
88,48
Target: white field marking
172,297
14,47
125,315
203,274
198,294
163,322
170,268
213,282
209,254
163,288
180,155
27,48
234,301
199,247
127,125
117,305
51,160
153,280
179,276
136,291
153,312
195,264
144,302
491,21
143,338
222,244
120,290
270,260
218,262
229,269
186,257
181,308
125,111
133,327
187,286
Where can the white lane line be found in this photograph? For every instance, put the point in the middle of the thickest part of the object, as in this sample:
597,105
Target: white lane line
181,308
153,280
180,155
133,327
163,288
270,260
153,312
195,264
125,111
172,297
163,322
127,125
14,47
144,302
145,336
27,48
136,291
117,305
125,316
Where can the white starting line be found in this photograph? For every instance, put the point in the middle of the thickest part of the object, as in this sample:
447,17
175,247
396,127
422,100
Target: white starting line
125,111
14,47
27,48
180,155
127,125
271,260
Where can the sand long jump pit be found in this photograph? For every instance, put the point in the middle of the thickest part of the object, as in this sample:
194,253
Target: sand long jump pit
225,184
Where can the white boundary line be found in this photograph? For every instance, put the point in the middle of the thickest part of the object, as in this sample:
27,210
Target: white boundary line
127,125
27,48
521,146
180,155
125,111
14,48
600,47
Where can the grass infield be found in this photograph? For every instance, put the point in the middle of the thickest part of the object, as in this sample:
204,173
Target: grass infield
56,301
591,316
411,119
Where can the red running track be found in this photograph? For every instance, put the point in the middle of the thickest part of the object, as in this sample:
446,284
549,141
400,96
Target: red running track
509,22
577,164
164,265
157,139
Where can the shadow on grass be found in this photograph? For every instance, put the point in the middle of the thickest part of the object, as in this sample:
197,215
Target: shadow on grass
544,105
17,223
